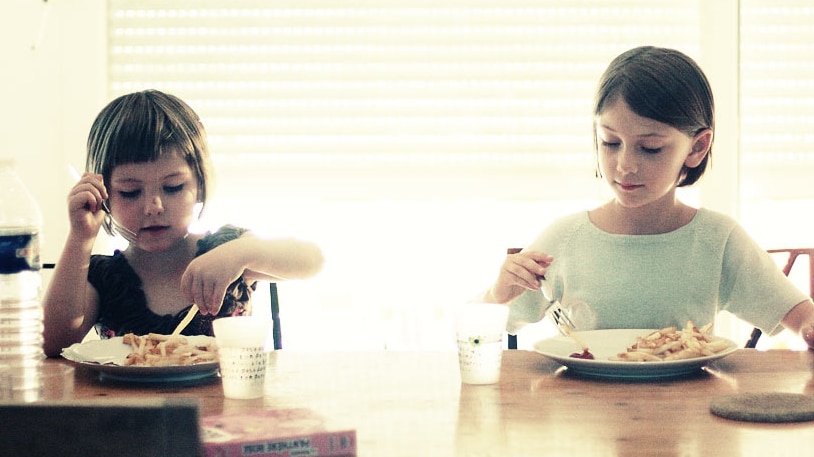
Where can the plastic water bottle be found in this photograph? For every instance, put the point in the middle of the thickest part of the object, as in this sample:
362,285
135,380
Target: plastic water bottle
20,281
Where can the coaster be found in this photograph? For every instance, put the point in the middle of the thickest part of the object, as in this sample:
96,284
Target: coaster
764,407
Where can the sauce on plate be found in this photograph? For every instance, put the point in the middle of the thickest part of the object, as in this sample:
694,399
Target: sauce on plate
583,355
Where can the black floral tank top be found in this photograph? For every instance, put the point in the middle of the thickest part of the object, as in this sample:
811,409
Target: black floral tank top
123,304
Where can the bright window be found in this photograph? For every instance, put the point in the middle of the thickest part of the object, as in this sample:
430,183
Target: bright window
777,115
413,140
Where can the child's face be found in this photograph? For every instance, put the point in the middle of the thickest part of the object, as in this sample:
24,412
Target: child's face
154,199
641,158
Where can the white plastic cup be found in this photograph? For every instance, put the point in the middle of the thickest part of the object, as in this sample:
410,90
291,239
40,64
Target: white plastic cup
242,352
480,329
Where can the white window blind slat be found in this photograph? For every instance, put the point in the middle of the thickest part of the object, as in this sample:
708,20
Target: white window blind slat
437,103
777,81
466,84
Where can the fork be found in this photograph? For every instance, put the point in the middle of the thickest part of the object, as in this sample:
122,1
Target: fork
117,228
564,323
193,310
558,315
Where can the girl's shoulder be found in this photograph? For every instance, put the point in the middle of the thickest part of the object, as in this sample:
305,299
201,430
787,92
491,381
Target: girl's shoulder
559,232
574,219
720,234
713,223
116,262
222,235
569,223
710,217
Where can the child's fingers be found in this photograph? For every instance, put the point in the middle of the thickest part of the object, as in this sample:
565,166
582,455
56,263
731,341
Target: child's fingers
206,289
534,262
527,281
91,194
808,335
523,272
84,201
212,298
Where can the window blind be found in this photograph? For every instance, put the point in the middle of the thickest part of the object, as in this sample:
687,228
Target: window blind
349,98
777,102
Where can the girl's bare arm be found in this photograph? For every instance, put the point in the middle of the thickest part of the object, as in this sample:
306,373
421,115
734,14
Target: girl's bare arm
207,277
70,304
800,320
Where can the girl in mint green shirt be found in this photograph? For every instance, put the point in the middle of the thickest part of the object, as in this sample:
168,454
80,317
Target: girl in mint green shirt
644,259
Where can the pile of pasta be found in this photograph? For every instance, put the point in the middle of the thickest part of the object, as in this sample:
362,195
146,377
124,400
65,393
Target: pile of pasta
671,343
156,350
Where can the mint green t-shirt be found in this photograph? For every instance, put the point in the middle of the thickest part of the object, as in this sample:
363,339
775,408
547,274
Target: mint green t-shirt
651,281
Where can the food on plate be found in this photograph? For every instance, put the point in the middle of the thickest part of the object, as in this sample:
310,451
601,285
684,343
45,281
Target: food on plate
157,350
671,343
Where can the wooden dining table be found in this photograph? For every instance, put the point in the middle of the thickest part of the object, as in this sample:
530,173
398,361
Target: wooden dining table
414,404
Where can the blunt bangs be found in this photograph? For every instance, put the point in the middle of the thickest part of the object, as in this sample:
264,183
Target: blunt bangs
144,126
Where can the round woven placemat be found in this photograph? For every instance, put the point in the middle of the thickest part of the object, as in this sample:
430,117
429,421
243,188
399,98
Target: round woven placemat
764,407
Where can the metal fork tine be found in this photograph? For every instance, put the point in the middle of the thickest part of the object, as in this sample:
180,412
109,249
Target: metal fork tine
125,232
561,319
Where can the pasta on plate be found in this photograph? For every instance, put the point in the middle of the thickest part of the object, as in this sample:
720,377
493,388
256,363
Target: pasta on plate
167,350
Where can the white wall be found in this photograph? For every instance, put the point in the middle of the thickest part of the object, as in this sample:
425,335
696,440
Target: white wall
52,85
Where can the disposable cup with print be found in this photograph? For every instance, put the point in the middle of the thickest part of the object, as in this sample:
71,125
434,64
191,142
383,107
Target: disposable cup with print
480,330
241,344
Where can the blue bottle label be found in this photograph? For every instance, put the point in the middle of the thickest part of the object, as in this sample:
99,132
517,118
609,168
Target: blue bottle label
19,253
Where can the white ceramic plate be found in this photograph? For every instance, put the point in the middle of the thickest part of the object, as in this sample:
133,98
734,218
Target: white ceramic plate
605,344
107,357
